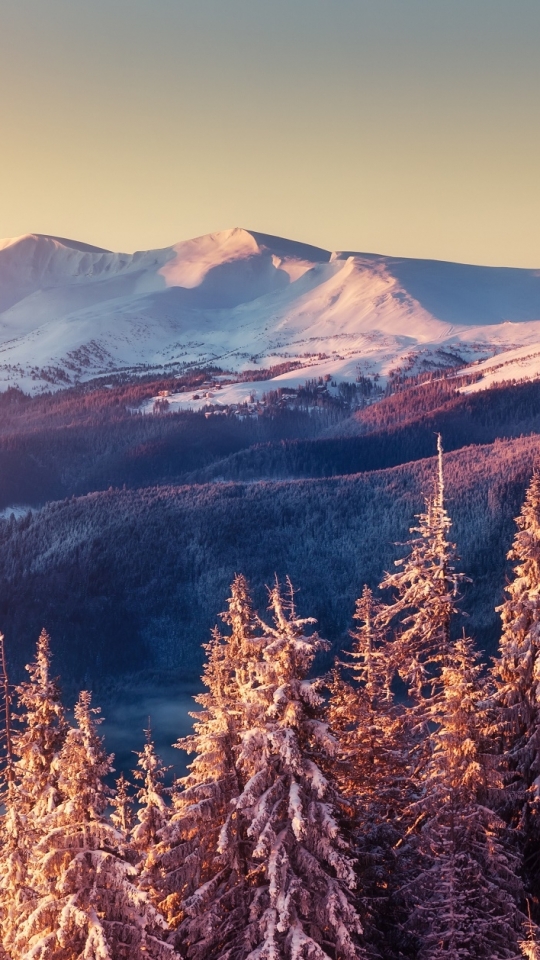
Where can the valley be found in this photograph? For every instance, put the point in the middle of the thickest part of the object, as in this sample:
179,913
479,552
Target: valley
244,403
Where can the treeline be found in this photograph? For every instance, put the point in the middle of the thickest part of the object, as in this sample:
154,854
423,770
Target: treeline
94,436
503,404
91,437
142,570
393,431
110,397
386,809
50,461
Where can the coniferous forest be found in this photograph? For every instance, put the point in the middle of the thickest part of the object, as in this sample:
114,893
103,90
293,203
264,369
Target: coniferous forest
269,480
383,803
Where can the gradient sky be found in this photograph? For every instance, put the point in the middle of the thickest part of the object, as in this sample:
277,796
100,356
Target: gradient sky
408,127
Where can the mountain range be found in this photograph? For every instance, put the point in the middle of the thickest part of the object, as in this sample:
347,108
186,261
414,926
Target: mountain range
120,532
71,312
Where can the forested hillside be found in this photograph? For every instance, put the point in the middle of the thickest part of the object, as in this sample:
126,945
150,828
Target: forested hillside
395,430
88,439
385,810
128,580
95,437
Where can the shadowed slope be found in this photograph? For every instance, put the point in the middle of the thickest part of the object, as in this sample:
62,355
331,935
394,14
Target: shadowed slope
132,580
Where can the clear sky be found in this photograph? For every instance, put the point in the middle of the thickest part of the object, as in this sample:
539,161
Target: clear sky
408,127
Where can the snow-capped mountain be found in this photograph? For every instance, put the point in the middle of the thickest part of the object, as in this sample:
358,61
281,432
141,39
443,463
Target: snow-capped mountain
238,299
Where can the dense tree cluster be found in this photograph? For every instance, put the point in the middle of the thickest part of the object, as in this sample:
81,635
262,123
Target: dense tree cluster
386,810
145,569
395,430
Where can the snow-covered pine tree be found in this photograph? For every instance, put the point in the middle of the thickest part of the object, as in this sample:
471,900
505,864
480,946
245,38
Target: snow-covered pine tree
285,885
38,741
372,768
465,896
420,618
6,720
84,902
187,856
363,712
35,743
516,679
153,813
122,816
242,642
425,589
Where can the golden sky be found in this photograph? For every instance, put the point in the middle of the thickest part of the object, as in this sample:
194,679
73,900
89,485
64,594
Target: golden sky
407,127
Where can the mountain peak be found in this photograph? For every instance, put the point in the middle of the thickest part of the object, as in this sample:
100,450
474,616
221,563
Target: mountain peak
37,238
73,244
238,298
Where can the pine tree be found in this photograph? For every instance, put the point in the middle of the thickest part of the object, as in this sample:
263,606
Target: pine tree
372,768
419,619
530,947
363,712
424,597
85,903
44,728
435,858
285,885
122,817
464,897
187,856
153,812
516,679
33,792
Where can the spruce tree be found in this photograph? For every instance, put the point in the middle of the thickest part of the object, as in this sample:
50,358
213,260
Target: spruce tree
530,948
187,856
42,734
84,901
36,742
284,887
372,768
466,892
363,713
516,679
424,600
451,844
419,619
153,812
122,804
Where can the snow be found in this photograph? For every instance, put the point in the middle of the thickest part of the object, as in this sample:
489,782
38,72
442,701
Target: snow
522,363
195,258
17,510
237,299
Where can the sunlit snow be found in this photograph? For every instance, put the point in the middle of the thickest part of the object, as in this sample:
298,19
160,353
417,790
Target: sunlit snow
240,300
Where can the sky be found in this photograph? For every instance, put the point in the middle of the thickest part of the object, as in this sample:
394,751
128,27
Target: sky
405,127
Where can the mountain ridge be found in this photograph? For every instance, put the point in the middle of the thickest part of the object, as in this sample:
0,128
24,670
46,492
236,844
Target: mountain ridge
237,298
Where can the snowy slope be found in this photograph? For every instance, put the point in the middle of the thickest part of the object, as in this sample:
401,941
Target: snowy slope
70,311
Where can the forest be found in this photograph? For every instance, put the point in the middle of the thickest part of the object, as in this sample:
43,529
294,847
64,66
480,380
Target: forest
93,437
129,580
377,804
